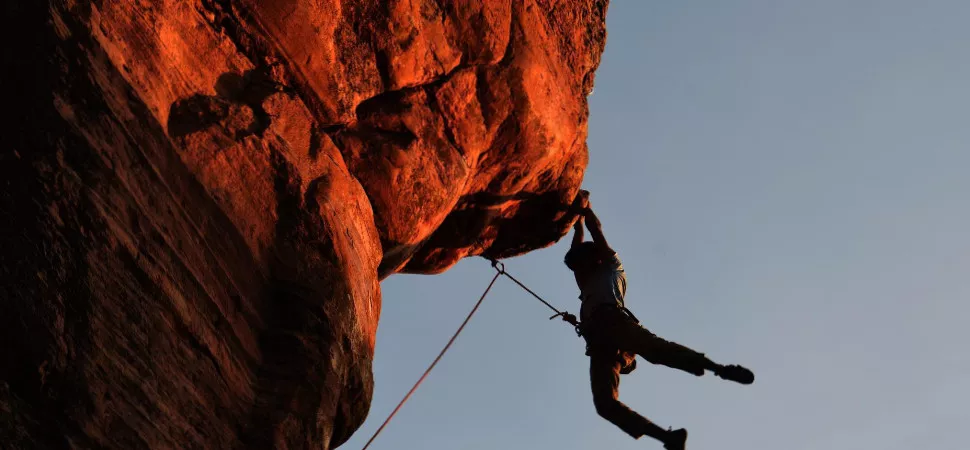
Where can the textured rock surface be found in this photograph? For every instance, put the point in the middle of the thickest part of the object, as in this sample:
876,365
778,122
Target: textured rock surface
201,196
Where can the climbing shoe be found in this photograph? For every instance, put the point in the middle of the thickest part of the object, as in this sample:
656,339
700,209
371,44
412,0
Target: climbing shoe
676,439
735,373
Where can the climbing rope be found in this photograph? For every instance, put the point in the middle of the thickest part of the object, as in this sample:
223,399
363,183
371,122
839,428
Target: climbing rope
565,315
499,271
435,362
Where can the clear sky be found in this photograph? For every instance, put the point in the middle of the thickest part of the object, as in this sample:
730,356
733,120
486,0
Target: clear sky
787,184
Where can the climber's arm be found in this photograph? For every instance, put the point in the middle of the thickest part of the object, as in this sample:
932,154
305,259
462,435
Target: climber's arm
579,206
596,230
579,234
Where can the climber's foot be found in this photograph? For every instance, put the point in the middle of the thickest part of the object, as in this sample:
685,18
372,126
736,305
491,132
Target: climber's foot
676,439
735,373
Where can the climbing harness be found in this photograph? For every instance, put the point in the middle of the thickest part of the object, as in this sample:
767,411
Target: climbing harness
499,271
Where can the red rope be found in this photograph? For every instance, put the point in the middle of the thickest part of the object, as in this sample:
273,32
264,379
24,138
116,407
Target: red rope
438,358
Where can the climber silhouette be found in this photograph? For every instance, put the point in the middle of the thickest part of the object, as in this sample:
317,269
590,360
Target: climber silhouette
614,336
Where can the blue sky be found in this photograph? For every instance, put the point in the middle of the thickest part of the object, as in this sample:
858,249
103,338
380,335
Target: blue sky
786,183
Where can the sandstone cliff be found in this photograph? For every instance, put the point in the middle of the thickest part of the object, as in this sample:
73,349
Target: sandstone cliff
201,196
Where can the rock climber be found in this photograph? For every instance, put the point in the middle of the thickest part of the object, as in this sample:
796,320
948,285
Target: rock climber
614,336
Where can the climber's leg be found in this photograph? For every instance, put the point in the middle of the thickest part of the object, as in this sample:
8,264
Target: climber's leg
657,350
604,377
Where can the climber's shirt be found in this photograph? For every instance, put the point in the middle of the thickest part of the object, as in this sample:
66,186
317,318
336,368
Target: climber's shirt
605,286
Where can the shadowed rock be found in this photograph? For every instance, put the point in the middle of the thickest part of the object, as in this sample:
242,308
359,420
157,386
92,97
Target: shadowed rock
200,198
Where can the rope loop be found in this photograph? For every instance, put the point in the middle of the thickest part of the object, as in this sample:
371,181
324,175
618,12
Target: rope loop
498,265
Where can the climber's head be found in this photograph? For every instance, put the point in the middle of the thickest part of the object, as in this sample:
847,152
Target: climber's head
583,257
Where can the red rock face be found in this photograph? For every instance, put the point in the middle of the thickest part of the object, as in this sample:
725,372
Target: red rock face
201,197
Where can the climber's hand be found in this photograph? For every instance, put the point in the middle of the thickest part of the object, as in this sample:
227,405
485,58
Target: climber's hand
580,203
